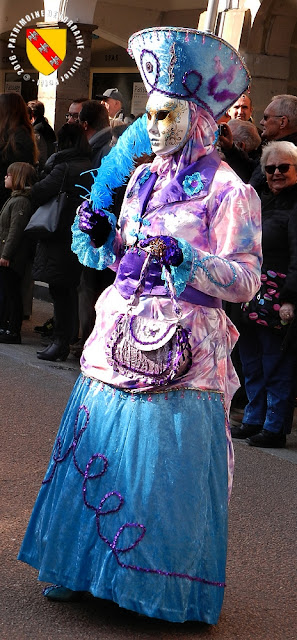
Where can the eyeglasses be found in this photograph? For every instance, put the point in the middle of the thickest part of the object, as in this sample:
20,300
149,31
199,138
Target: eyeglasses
270,115
74,116
283,168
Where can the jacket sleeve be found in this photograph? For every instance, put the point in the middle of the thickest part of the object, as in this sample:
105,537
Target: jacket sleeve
240,162
227,263
20,216
289,290
49,186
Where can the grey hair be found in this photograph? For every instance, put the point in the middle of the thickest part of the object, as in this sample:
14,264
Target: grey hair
284,146
287,106
245,131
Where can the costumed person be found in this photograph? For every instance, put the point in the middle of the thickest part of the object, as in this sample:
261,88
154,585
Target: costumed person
134,505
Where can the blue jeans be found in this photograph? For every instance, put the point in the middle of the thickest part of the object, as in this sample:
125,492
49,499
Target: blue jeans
270,379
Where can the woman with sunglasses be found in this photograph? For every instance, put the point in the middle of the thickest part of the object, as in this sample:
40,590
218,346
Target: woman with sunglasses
266,341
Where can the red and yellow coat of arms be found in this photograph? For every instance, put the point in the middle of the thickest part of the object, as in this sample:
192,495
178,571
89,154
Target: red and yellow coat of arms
46,48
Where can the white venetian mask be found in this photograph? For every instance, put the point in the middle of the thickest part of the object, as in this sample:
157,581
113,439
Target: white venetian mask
168,123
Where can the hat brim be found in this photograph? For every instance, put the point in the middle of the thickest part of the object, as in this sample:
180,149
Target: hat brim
105,98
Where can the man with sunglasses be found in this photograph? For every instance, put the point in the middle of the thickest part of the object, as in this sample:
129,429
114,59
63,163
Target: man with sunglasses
279,123
279,120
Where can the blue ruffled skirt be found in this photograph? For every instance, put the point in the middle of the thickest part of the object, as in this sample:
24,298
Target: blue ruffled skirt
133,507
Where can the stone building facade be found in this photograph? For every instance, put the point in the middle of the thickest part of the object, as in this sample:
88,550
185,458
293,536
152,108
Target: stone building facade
264,32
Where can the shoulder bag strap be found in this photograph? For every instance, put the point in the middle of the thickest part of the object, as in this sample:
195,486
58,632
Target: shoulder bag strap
64,177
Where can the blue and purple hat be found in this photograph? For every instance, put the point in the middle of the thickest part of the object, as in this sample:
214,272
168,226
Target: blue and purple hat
190,65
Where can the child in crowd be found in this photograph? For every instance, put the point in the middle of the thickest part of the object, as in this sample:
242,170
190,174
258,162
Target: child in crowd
14,248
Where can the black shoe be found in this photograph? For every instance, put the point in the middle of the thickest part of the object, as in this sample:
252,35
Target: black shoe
268,439
44,348
55,351
245,430
8,337
45,329
45,342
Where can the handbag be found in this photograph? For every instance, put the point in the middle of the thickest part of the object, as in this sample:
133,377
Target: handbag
264,308
45,221
157,351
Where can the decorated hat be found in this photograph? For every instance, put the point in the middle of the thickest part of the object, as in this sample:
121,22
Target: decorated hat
190,65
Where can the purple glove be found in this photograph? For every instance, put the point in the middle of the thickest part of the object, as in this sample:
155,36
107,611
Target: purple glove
94,223
164,248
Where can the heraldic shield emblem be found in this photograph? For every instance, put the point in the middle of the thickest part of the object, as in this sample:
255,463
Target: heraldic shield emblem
46,48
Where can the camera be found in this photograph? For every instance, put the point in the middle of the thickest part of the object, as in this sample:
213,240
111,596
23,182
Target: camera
222,130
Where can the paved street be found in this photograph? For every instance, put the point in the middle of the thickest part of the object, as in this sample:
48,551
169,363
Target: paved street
260,600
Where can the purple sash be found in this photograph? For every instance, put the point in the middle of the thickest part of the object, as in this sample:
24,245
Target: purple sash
128,275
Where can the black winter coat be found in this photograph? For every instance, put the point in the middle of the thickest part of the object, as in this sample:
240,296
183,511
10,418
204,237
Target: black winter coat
43,128
241,162
279,245
54,261
100,145
24,152
279,237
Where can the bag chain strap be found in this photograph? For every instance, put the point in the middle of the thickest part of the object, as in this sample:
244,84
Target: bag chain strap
134,299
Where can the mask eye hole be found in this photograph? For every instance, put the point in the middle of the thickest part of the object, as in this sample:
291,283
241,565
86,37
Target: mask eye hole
161,115
149,115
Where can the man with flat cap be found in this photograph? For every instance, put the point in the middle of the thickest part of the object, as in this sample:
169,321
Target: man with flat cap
113,101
